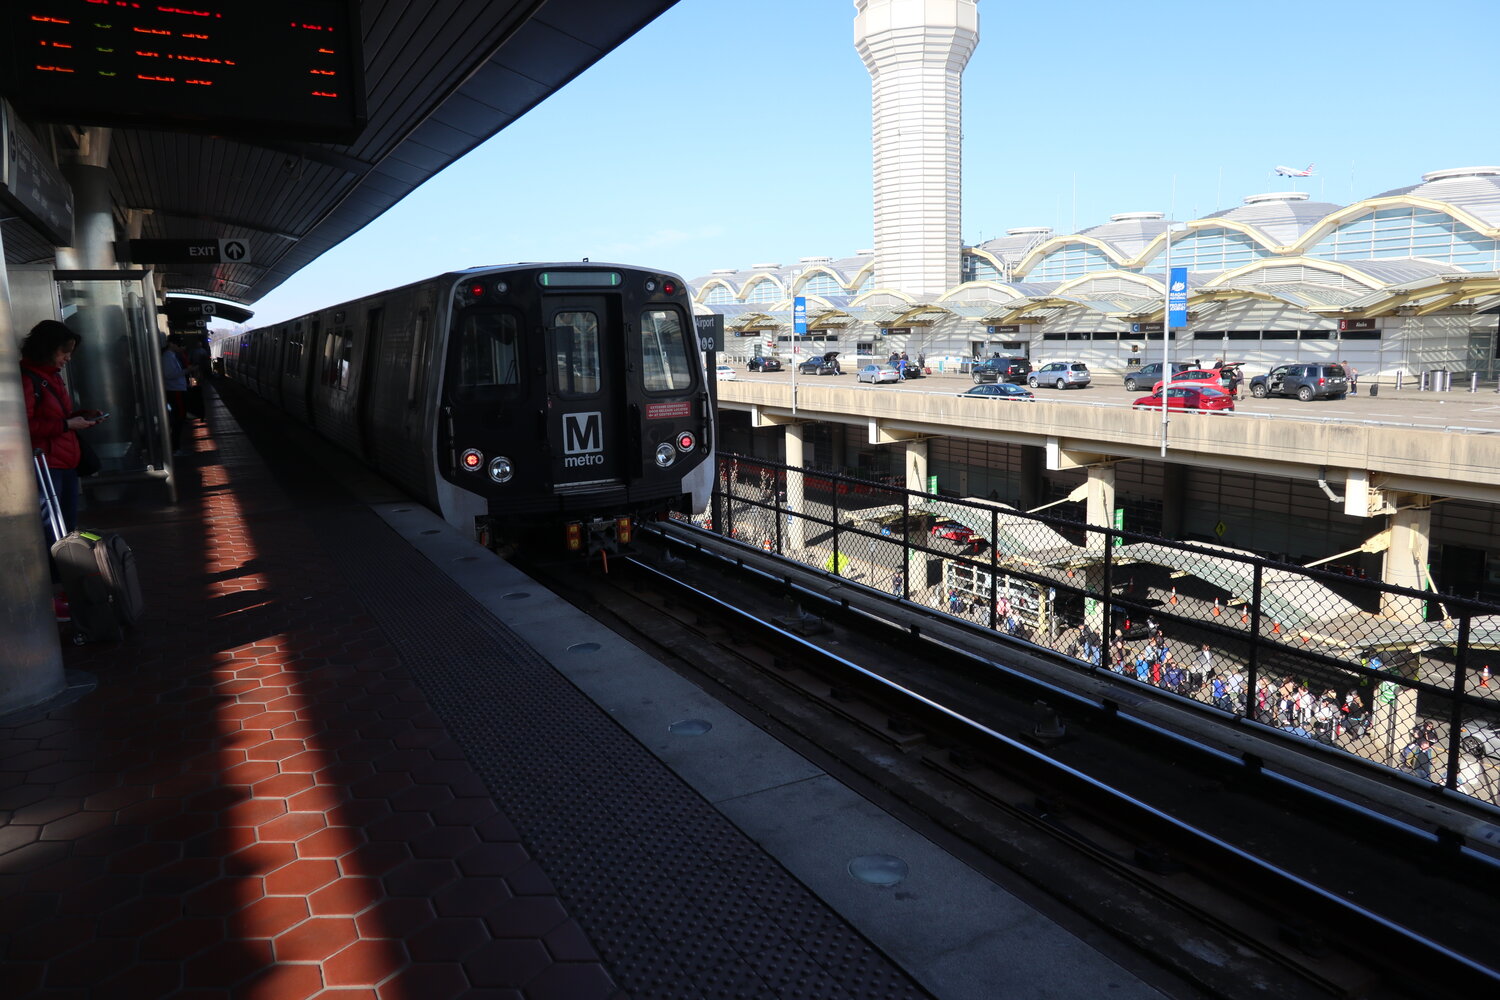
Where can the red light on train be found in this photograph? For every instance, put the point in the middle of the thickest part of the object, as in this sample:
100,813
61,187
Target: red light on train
477,290
670,287
472,460
685,441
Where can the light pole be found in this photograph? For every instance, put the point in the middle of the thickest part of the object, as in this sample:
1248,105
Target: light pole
1174,297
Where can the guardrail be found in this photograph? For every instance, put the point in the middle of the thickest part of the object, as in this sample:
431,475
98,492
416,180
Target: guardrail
1397,676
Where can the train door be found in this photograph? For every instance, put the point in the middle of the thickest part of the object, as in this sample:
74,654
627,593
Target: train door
366,388
586,390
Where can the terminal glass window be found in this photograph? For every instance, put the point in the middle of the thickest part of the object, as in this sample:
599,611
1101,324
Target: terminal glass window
665,364
490,350
577,353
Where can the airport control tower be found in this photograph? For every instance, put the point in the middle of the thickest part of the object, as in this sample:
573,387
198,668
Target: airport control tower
916,51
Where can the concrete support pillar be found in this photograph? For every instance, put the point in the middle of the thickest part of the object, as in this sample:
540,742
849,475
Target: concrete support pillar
31,668
1101,511
1406,558
1173,503
101,375
797,455
1030,476
916,465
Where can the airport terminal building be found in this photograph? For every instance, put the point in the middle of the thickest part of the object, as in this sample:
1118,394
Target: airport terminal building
1402,282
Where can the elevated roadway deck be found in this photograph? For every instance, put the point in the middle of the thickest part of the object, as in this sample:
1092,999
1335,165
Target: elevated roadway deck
1441,444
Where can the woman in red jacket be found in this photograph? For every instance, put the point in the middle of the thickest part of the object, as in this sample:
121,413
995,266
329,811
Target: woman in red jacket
50,417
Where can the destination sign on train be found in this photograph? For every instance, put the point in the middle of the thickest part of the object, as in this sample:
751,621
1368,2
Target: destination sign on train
289,69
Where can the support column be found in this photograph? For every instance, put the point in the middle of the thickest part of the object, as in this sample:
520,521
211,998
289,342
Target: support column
31,669
1406,559
1030,473
798,453
101,377
916,465
1173,491
1101,512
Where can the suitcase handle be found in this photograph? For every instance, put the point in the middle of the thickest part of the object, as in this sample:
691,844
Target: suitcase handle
50,502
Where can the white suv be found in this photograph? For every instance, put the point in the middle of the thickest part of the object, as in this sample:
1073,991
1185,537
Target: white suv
1062,374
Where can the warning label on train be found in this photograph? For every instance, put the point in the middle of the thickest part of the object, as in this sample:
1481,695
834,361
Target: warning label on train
665,411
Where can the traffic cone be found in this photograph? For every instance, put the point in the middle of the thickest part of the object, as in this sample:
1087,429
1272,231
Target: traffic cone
1244,616
1484,676
1275,627
1174,595
766,545
1216,607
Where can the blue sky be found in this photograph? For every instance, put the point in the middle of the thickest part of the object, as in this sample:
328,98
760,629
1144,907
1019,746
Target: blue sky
731,134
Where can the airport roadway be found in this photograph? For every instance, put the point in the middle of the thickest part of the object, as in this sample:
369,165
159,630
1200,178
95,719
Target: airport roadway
1456,410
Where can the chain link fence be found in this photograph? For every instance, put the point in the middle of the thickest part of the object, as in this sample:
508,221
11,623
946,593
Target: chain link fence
1400,677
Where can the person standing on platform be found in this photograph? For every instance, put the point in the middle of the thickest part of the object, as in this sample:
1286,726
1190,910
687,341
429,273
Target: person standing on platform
174,380
51,419
1353,374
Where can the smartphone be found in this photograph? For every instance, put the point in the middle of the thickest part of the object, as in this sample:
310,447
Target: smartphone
102,416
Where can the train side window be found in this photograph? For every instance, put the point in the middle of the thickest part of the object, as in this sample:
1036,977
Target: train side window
664,356
576,347
417,368
346,360
490,346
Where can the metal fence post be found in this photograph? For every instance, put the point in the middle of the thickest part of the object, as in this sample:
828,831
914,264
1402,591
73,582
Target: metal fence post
1252,666
833,484
994,571
776,499
1460,677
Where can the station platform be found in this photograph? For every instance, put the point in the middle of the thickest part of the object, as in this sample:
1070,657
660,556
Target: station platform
349,753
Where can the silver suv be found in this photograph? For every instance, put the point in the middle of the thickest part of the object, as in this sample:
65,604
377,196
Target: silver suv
1305,381
1062,374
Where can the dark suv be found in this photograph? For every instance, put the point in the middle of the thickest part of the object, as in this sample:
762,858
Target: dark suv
1146,376
1305,381
1001,370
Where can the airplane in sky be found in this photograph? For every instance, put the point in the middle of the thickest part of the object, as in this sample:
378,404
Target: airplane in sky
1294,172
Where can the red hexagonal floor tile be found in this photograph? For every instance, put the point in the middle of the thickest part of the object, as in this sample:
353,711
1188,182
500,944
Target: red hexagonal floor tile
315,939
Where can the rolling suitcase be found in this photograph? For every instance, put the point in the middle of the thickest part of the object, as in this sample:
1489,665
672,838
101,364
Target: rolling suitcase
97,571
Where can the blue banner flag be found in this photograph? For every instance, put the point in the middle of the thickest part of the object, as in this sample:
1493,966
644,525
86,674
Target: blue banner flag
799,315
1177,291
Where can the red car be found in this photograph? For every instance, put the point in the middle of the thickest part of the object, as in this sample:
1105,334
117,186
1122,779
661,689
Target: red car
1196,376
1188,397
960,534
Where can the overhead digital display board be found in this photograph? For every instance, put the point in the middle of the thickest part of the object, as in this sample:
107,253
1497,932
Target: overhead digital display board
288,69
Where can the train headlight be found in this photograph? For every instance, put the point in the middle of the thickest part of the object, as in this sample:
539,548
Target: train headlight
472,460
501,470
665,455
686,441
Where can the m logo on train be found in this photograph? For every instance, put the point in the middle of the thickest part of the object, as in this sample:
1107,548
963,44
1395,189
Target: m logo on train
583,439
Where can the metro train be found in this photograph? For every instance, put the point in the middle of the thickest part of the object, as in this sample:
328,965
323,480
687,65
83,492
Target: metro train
517,401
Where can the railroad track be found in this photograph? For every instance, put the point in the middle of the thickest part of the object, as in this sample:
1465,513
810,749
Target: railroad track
1236,879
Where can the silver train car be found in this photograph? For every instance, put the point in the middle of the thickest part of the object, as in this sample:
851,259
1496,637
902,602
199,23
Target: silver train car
512,399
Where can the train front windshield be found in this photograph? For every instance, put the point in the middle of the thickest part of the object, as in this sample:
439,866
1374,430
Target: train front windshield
665,366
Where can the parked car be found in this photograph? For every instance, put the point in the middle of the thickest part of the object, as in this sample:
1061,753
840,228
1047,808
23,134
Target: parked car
1200,376
1150,374
725,373
1305,381
1480,739
1188,397
997,390
759,364
1062,374
879,373
827,364
1001,370
960,534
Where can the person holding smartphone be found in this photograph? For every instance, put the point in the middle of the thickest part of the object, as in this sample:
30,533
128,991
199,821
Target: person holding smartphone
52,419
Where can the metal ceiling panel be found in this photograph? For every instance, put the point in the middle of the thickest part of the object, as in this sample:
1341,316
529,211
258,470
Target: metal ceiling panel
441,78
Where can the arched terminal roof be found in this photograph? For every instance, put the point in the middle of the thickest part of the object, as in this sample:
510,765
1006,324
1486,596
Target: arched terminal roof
441,78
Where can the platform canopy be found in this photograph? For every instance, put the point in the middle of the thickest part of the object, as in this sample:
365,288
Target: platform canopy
440,78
